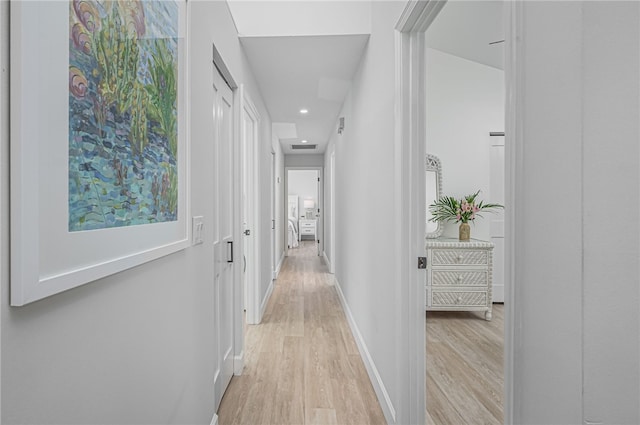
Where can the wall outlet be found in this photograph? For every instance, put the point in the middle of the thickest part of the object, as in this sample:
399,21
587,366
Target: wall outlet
198,230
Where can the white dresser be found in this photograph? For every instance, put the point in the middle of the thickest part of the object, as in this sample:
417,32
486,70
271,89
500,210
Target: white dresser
307,228
459,275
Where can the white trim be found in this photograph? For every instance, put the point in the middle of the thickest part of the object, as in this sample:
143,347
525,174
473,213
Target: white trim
238,246
238,364
326,259
376,380
514,149
274,222
265,300
214,420
410,203
332,197
4,141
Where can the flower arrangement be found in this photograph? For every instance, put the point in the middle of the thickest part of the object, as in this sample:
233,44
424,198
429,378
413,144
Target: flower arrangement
448,208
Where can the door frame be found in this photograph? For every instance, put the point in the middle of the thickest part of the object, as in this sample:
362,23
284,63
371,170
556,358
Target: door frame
238,317
222,264
410,146
332,197
245,103
4,143
274,222
320,222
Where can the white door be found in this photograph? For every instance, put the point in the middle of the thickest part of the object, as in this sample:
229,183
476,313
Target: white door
223,231
496,188
249,127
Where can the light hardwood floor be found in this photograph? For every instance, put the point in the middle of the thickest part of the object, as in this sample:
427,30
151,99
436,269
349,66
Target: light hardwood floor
302,365
465,367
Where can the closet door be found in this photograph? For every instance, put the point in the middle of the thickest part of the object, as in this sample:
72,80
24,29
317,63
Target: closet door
223,231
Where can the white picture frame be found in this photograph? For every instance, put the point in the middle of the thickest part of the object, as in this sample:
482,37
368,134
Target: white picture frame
47,255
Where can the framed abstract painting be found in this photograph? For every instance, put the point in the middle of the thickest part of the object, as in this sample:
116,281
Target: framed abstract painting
99,158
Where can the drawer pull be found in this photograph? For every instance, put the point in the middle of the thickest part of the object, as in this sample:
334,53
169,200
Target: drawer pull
460,257
458,300
460,278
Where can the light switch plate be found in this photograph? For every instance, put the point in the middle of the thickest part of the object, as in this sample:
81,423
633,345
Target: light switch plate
198,230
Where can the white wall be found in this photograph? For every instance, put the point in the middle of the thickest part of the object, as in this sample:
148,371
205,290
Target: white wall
286,18
365,251
304,160
304,184
465,101
576,217
138,346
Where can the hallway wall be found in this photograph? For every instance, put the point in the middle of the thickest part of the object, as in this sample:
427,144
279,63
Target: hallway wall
577,219
137,346
304,160
364,210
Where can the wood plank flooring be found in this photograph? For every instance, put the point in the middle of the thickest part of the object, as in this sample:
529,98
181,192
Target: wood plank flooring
302,365
465,367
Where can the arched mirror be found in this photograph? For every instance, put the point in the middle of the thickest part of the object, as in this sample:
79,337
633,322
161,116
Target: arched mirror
434,191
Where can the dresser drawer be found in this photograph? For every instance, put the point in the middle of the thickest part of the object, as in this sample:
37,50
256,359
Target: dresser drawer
458,298
307,225
307,231
459,278
442,257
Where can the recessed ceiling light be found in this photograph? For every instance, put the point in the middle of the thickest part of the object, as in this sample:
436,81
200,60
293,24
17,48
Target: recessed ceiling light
305,141
304,111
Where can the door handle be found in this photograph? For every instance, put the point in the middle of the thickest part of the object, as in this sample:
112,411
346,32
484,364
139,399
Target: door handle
273,225
247,232
230,244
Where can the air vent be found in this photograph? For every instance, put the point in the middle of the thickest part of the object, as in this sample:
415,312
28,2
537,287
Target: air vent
303,147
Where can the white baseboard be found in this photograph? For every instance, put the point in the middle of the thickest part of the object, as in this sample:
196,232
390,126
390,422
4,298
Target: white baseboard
279,266
238,364
265,301
326,259
214,420
375,378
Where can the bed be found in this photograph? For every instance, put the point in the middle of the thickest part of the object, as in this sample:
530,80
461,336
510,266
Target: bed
292,212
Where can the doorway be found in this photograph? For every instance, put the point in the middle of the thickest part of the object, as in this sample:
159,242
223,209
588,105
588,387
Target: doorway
223,230
465,82
305,220
410,146
249,134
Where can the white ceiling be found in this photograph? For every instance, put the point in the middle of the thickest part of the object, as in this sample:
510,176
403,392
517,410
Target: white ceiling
311,72
465,29
314,71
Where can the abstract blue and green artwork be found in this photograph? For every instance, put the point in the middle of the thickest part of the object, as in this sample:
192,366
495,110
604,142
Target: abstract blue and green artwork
123,113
